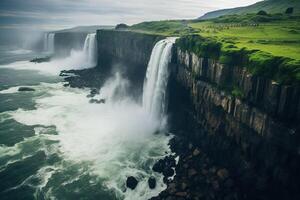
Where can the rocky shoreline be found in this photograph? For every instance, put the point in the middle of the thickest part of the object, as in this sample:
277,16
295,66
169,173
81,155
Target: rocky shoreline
197,177
197,174
194,176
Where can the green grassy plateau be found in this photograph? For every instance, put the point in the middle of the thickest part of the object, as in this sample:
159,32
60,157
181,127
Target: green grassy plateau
268,45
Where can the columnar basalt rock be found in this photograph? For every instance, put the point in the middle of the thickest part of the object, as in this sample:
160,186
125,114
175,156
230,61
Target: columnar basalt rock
264,123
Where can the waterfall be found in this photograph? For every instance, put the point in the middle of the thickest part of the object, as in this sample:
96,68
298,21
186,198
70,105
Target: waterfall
155,84
90,49
49,42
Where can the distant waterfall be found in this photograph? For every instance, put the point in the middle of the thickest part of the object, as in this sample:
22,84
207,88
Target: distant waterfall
155,84
90,49
49,42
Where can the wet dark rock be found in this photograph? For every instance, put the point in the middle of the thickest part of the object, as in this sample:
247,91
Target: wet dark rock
172,188
192,172
223,174
26,89
164,165
181,194
183,186
196,152
100,101
168,172
41,60
152,182
229,183
131,182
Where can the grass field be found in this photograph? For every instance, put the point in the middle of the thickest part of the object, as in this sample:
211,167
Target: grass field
275,36
280,38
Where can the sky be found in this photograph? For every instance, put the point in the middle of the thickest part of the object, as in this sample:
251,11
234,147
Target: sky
57,14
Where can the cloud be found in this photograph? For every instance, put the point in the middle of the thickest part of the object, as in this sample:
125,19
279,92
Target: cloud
49,14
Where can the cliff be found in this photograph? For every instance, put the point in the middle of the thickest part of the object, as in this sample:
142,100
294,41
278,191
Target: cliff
245,123
248,123
126,52
64,42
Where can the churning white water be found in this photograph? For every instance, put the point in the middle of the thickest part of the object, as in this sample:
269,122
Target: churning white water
156,80
90,49
116,138
49,42
109,141
82,59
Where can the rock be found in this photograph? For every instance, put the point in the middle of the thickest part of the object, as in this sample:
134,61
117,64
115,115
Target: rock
229,183
216,185
152,182
196,152
204,171
164,164
183,186
131,182
26,89
168,172
97,101
172,188
41,60
181,194
192,172
213,170
223,174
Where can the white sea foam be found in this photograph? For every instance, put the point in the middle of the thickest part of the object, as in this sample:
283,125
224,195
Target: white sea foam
78,59
117,137
20,51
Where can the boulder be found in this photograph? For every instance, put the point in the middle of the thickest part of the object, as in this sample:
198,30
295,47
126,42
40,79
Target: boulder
131,182
196,152
223,174
192,172
26,89
101,101
168,172
152,182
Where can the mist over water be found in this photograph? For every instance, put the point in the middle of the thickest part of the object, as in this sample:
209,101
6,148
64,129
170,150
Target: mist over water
83,149
82,59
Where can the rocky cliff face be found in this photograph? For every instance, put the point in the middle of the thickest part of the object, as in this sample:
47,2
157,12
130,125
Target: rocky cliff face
127,52
64,42
255,133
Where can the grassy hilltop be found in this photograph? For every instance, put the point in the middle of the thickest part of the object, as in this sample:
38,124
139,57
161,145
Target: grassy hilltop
270,6
267,44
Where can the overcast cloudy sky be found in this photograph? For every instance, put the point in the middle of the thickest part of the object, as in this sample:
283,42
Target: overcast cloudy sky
54,14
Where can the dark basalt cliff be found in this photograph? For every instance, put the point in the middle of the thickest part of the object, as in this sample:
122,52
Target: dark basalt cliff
125,51
255,135
64,42
244,123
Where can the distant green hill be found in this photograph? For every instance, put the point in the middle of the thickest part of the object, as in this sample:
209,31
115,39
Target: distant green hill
270,6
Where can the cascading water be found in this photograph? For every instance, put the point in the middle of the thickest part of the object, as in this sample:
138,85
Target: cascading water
156,80
90,49
49,42
70,143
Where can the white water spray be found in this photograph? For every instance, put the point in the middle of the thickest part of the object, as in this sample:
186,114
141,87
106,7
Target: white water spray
156,80
90,49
